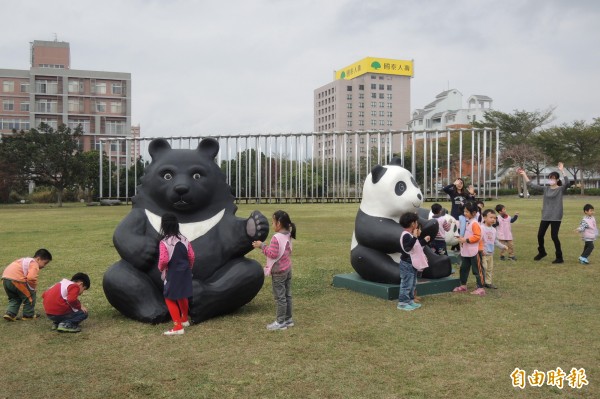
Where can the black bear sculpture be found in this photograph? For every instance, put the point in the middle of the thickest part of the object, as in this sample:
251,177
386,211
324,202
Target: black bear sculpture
189,184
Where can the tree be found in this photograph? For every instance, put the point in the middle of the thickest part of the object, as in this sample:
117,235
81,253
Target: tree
45,156
518,127
577,144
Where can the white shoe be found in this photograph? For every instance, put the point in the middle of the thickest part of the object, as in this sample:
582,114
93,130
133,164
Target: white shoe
174,332
276,326
186,323
289,323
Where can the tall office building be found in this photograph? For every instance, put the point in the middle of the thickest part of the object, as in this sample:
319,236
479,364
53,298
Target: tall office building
51,92
372,94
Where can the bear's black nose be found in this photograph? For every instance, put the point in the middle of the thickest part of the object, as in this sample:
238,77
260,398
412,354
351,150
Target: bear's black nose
181,189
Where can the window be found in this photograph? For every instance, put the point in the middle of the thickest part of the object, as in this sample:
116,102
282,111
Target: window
115,127
75,105
381,78
117,88
85,124
389,96
361,105
361,123
8,86
381,87
389,105
381,96
349,97
349,124
349,105
373,86
100,88
361,96
349,114
373,95
115,107
373,77
381,104
361,114
50,122
389,123
361,87
8,105
46,87
73,86
349,88
373,113
24,106
46,106
381,123
389,114
373,122
373,104
24,87
101,106
381,113
389,87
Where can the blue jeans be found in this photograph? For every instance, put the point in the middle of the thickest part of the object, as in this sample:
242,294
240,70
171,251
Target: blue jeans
71,318
408,283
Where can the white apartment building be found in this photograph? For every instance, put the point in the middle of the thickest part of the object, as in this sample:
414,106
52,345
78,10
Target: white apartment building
448,112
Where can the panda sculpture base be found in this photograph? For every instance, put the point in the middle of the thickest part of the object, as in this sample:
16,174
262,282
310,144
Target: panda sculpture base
354,282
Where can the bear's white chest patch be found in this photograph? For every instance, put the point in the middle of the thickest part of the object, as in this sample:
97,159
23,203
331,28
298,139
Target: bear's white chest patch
191,231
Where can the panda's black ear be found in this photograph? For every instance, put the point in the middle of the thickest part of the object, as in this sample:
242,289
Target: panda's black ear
157,146
377,173
397,161
209,147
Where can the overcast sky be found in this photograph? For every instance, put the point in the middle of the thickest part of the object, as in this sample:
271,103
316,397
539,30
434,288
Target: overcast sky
235,66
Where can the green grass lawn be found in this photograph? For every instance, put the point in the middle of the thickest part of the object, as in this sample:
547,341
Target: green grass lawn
344,344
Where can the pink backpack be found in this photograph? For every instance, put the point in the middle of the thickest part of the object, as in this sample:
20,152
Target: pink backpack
417,256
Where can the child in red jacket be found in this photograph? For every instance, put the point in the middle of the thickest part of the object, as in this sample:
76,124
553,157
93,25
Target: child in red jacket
62,306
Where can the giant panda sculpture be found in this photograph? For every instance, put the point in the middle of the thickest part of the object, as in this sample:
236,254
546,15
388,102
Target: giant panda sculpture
390,191
189,184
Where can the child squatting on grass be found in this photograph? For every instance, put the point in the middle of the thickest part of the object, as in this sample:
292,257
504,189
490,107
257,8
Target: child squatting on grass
279,267
470,245
589,233
62,305
412,259
20,280
175,261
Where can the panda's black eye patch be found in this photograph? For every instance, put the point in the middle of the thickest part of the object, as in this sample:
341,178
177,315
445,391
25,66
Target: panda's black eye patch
413,181
400,188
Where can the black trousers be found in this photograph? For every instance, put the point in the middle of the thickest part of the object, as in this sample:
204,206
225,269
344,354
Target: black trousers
588,247
554,227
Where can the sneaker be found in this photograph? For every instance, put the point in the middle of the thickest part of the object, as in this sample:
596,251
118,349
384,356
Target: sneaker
539,256
63,327
9,317
32,317
558,260
460,288
289,323
503,258
407,307
185,323
492,286
513,258
277,326
478,291
172,331
416,305
584,261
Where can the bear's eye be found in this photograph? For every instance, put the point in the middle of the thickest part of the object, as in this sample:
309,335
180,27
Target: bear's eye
168,176
400,188
196,176
413,181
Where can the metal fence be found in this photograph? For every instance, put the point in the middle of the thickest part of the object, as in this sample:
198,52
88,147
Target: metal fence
320,167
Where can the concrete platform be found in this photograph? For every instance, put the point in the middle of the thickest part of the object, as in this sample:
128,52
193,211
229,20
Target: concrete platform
354,282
